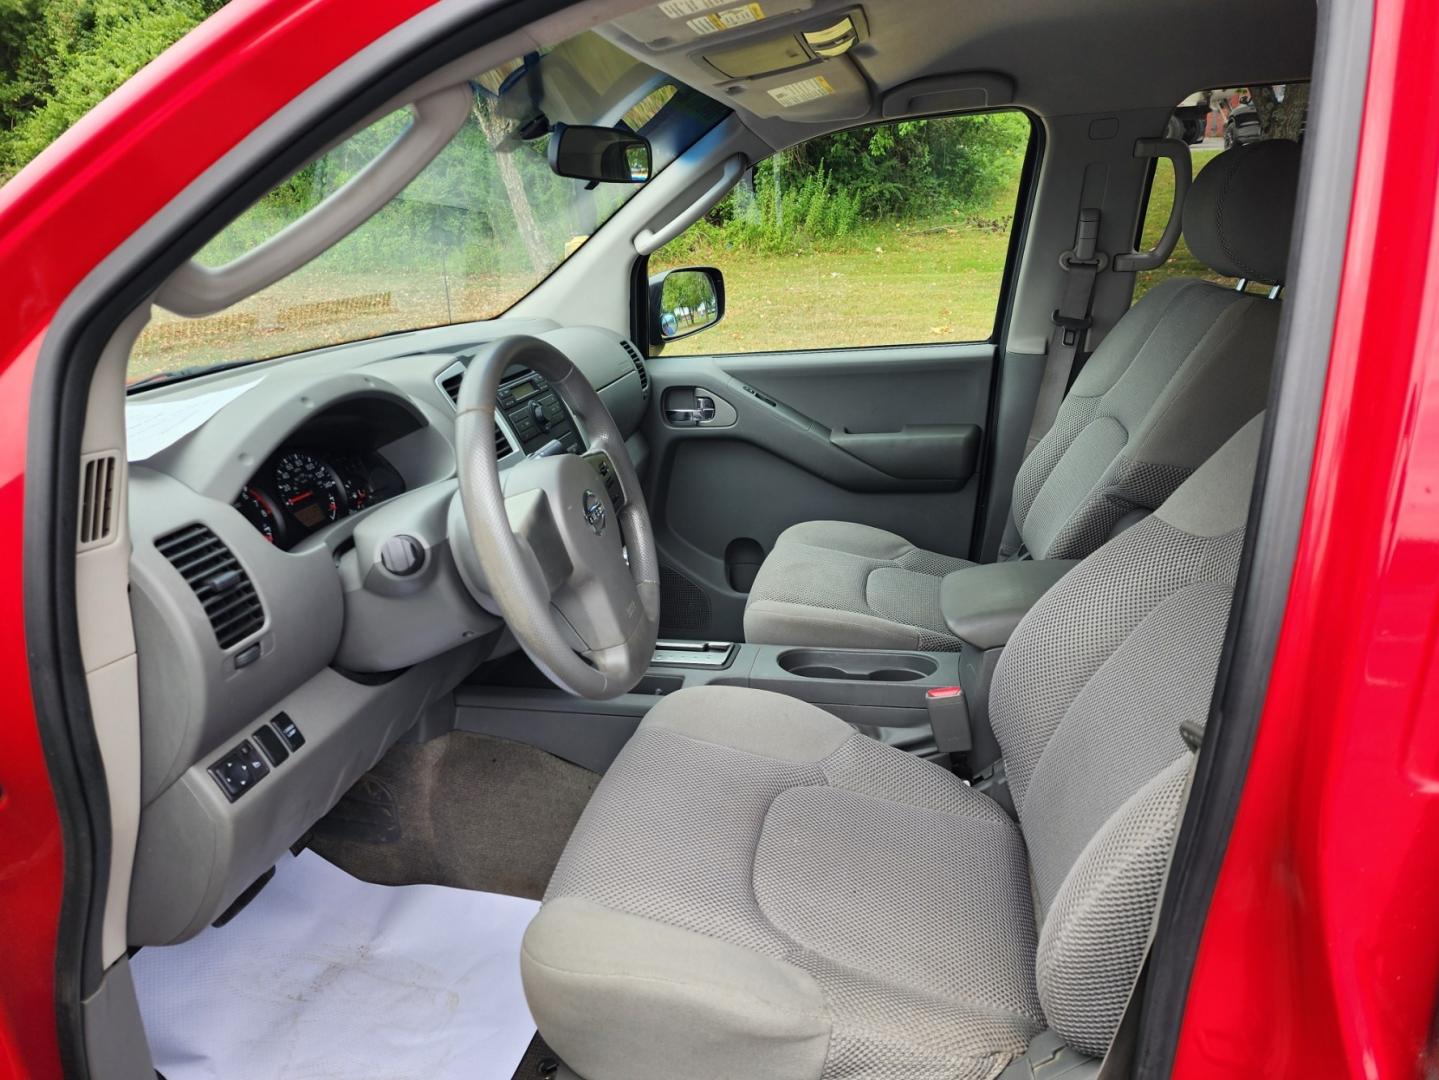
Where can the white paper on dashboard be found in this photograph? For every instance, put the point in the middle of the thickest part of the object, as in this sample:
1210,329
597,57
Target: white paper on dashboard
150,426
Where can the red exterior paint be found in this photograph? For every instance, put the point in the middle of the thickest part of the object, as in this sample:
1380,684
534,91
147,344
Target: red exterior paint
1320,954
59,217
30,844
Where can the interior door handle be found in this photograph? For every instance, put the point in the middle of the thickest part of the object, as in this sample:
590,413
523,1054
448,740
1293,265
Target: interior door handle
702,413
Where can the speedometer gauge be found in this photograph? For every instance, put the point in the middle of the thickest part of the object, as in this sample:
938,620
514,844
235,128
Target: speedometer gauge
309,489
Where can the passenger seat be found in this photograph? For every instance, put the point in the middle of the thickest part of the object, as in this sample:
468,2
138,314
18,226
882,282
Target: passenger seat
1183,370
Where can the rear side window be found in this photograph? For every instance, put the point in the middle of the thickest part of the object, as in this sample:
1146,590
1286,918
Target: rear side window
895,234
1211,122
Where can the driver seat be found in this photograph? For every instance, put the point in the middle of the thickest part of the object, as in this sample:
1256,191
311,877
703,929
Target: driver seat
758,890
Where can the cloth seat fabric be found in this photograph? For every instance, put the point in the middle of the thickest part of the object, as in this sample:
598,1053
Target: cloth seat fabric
757,821
758,890
850,586
1182,371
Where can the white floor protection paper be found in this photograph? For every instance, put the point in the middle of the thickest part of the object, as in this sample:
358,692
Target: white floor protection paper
324,975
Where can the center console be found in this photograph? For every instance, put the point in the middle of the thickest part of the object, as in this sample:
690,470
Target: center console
534,415
926,702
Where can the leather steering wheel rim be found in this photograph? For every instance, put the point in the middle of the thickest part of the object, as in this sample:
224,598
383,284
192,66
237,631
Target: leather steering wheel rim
584,617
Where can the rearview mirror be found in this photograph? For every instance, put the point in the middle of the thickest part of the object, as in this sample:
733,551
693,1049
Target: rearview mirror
684,302
599,154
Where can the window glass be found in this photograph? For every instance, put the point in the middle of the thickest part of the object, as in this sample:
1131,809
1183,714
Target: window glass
479,227
1211,122
895,234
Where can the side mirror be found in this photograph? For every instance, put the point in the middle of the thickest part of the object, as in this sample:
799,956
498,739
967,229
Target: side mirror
599,154
684,302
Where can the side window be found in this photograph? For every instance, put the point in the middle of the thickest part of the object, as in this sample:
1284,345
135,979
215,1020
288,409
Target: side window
1211,122
896,234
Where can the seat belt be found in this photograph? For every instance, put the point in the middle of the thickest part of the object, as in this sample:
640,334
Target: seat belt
1082,265
1118,1062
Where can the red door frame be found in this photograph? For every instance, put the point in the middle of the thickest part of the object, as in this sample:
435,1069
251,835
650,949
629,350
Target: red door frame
1320,954
62,215
1322,946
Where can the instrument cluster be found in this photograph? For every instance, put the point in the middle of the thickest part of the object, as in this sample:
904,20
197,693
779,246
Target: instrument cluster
302,489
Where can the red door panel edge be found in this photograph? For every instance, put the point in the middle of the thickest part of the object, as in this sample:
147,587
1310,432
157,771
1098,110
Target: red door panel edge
1320,953
59,217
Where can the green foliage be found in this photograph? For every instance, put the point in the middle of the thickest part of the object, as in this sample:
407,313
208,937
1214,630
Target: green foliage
60,58
819,194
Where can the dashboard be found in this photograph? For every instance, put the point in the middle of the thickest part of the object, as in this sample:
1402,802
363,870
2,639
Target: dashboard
265,596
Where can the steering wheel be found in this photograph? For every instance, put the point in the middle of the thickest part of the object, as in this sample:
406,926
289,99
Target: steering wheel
561,544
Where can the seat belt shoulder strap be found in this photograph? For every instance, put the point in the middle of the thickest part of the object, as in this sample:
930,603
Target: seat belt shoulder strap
1082,267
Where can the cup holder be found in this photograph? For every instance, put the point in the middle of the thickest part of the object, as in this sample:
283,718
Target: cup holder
859,665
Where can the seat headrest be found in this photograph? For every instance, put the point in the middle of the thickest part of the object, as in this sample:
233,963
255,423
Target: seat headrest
1240,209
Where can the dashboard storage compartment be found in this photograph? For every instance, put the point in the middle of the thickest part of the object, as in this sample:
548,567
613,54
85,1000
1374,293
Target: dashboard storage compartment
856,664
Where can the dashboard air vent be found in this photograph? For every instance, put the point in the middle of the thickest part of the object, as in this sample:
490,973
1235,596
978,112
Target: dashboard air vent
639,363
219,582
449,381
451,386
97,500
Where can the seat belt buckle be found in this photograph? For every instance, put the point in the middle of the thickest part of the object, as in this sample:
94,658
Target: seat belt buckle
1072,325
949,718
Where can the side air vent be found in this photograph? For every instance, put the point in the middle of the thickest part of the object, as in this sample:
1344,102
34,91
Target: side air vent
639,364
220,583
451,386
449,381
97,500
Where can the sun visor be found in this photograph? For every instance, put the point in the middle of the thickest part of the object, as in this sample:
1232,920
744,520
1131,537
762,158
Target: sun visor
673,24
825,90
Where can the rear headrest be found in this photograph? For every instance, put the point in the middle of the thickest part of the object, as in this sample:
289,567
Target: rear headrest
1240,209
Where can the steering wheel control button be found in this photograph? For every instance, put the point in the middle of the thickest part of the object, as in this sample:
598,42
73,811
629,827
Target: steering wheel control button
247,656
239,770
289,731
593,507
272,745
402,555
608,476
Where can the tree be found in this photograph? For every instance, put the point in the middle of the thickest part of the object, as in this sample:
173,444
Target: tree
60,58
1281,119
494,130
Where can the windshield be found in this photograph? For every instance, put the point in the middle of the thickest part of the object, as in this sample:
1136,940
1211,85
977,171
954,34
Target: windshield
475,231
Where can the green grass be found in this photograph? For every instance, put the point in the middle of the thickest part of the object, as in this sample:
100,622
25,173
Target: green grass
890,284
893,283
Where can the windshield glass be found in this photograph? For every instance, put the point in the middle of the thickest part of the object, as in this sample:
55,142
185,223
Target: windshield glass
484,222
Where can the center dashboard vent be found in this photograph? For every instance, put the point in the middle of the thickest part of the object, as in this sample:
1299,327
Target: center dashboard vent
218,580
449,381
639,364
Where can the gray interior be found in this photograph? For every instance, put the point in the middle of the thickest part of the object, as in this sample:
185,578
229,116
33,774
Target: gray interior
888,474
1180,372
743,892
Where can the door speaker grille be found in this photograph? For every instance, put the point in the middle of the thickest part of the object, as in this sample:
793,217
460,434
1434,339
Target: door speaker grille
683,604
